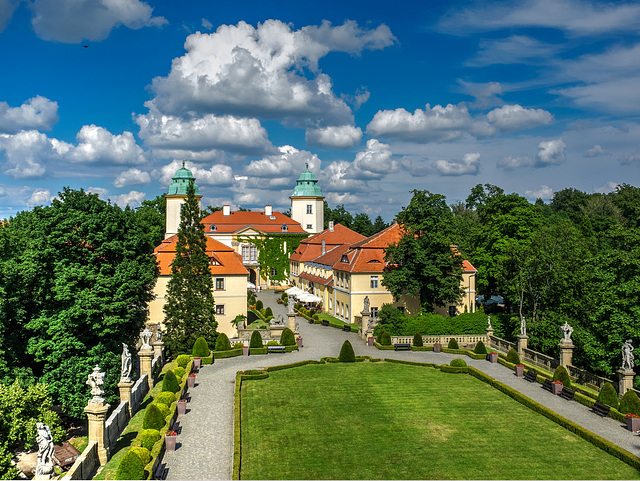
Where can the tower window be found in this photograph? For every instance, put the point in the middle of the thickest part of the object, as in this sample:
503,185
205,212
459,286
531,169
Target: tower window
309,226
284,228
374,282
212,227
309,209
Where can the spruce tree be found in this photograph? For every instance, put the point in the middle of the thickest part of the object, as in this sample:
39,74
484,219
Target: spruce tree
190,308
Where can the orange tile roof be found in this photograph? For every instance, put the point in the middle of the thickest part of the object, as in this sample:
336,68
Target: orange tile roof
230,262
311,247
317,279
236,221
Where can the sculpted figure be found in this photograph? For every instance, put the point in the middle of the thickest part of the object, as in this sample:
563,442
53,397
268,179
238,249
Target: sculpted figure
96,381
158,333
145,336
45,450
523,326
125,367
367,304
566,330
627,356
489,322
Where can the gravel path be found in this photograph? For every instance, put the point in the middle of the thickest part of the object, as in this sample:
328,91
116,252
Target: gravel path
205,442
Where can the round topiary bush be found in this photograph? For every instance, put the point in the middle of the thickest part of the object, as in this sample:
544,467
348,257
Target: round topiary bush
166,397
480,348
316,317
417,340
144,453
386,339
457,362
259,304
153,418
453,344
179,372
200,348
630,403
222,343
163,408
346,353
561,374
512,356
379,336
287,338
268,312
131,467
170,382
149,437
182,360
272,343
256,340
608,395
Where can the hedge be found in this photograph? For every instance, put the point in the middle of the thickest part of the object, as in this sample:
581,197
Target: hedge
201,348
383,348
226,354
258,350
422,348
293,364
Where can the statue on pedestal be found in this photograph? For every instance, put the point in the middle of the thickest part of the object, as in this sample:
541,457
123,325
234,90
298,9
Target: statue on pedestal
489,323
566,330
125,366
96,380
145,336
627,356
44,468
367,304
158,333
523,326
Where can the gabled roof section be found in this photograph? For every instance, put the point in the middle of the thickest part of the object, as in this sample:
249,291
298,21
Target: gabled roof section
311,247
237,221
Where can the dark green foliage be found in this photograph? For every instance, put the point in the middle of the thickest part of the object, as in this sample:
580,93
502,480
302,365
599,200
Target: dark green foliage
201,348
259,305
179,372
170,382
182,360
453,344
379,335
480,348
561,374
457,362
316,317
287,338
417,340
346,353
222,342
629,403
386,339
165,397
256,340
149,437
190,308
268,312
131,466
153,418
608,395
297,306
513,357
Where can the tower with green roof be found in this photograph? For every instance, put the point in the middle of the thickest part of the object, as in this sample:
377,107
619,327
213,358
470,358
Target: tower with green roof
176,196
307,203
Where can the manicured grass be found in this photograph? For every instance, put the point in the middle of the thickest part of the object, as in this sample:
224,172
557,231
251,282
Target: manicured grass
330,318
393,421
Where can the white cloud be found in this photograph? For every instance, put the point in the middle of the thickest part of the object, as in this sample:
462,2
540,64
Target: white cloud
289,163
595,151
37,113
102,192
337,177
510,162
515,117
7,7
97,144
27,152
551,152
374,162
40,197
71,21
514,49
219,175
469,165
606,188
544,192
133,198
207,24
341,137
629,157
486,94
131,177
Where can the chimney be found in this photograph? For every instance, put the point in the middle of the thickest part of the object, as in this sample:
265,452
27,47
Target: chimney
330,226
226,210
324,247
268,210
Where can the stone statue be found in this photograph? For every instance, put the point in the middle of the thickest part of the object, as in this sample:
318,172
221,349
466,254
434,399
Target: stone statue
291,308
566,330
44,468
158,333
125,366
297,327
627,356
145,336
523,326
96,380
489,323
367,304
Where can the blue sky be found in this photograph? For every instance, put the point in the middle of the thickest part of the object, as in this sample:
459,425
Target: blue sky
379,99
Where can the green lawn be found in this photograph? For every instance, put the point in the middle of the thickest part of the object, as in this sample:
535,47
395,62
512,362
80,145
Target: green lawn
393,421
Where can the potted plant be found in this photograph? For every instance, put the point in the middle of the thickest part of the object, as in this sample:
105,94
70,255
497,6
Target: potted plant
196,363
299,342
370,341
245,350
492,357
556,387
170,440
182,406
191,380
633,422
437,347
519,370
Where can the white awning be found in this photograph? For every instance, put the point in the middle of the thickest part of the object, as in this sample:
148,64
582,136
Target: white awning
293,290
250,285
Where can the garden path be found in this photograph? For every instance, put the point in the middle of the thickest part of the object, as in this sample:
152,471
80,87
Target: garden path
205,442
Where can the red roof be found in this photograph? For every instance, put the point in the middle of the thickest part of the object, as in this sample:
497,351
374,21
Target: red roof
236,221
311,247
316,279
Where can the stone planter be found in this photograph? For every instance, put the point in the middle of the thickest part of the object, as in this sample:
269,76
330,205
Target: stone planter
299,342
519,371
437,347
197,362
170,442
245,350
556,388
492,357
370,341
182,406
633,424
191,381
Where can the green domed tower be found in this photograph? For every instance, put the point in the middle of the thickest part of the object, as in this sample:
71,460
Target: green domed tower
176,197
307,203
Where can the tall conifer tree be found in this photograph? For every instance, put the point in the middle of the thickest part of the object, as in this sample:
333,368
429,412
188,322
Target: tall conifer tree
190,308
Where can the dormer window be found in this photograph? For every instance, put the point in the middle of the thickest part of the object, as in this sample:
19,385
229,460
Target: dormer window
212,227
284,228
213,261
344,259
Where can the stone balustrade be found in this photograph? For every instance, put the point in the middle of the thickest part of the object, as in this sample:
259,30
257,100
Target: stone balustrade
443,339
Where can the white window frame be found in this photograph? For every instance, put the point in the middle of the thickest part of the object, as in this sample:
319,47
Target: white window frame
309,208
219,309
374,279
223,283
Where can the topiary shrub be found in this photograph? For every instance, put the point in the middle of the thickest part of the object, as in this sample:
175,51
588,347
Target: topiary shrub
179,372
170,382
480,348
316,317
182,360
457,362
131,467
149,437
417,340
608,395
512,356
287,338
201,348
153,418
256,340
297,306
163,408
630,403
379,336
222,343
144,453
561,374
268,312
165,398
453,344
386,339
238,345
346,353
259,304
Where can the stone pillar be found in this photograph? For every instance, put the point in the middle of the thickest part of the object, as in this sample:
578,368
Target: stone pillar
291,321
366,328
146,358
566,353
625,381
522,345
125,394
489,334
97,414
158,350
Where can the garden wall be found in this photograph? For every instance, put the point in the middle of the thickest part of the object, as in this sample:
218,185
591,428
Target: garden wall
86,464
116,424
139,391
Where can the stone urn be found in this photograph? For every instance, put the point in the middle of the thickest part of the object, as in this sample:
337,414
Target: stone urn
492,357
170,440
633,423
299,342
197,362
245,350
182,406
519,370
437,347
191,380
556,387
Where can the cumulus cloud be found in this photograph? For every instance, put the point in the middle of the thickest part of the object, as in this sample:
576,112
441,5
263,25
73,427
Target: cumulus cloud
7,7
544,192
97,144
288,163
101,191
37,113
486,94
219,175
71,21
341,137
469,165
551,152
510,162
515,117
607,188
27,152
133,198
374,162
40,197
595,151
132,177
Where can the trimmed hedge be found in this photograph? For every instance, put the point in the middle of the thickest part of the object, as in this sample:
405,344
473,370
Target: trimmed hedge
630,403
561,374
179,372
256,340
417,340
228,353
170,382
148,438
153,418
287,338
163,408
281,367
383,348
201,348
131,466
183,360
258,350
423,348
513,357
454,370
453,344
480,348
165,397
144,453
608,395
204,361
386,339
222,342
457,362
346,352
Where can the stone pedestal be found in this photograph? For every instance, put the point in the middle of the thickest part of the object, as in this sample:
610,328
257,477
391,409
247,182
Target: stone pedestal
276,331
158,350
489,334
125,394
366,330
522,345
566,353
291,321
97,414
146,358
625,381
